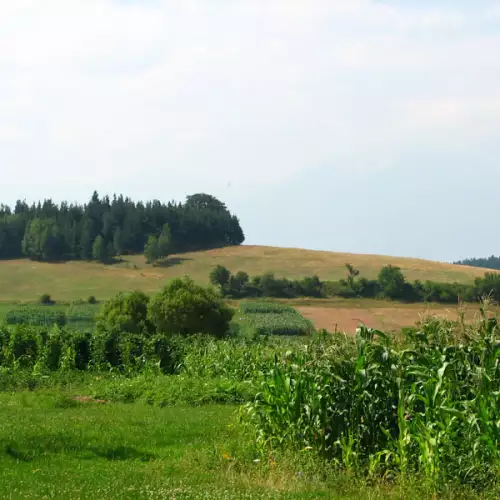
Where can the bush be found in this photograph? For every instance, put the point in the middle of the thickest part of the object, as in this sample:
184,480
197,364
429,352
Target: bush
92,300
125,314
46,299
185,308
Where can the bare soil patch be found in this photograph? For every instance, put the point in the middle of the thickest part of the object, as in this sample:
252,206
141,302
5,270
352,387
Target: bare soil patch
382,318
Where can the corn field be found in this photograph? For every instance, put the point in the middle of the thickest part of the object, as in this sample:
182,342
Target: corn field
265,308
48,316
428,406
271,318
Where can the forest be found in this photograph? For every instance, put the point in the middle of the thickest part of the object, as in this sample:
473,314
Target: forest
491,262
104,228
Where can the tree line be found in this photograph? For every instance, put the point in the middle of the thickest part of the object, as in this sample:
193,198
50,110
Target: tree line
104,228
491,262
390,284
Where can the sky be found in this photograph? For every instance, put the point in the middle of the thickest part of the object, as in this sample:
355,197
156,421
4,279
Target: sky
357,126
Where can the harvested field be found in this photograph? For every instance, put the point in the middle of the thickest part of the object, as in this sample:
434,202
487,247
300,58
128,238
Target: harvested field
347,319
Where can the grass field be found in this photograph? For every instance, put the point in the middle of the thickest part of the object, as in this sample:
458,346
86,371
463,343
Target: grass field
23,280
56,447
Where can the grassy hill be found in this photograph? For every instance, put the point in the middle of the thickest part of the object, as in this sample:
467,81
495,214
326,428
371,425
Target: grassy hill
24,280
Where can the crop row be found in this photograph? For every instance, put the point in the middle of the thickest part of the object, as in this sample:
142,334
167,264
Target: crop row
265,308
280,324
45,316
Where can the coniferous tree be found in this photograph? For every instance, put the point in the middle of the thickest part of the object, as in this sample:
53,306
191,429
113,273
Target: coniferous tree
100,250
69,231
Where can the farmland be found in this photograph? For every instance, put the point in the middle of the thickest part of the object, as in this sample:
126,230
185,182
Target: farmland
245,417
276,408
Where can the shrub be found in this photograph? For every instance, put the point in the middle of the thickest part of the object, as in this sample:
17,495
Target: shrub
46,299
185,308
125,314
92,300
220,276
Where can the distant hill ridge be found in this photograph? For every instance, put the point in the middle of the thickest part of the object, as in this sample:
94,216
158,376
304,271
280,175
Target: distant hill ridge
484,262
24,280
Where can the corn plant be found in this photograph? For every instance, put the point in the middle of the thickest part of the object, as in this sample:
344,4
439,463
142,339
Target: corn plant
428,405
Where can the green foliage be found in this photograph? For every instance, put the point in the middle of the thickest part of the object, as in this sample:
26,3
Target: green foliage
352,274
101,251
491,262
43,240
41,316
268,318
151,251
103,228
46,299
219,276
279,324
165,242
429,408
92,300
185,308
488,286
44,348
125,314
265,307
266,285
392,282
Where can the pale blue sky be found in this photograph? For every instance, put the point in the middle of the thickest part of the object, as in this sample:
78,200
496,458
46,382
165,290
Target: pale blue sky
347,125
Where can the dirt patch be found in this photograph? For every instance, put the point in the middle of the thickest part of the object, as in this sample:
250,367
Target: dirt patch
383,318
88,399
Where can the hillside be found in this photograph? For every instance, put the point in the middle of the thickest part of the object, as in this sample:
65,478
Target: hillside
24,280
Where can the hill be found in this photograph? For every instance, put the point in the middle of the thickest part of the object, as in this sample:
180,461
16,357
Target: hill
25,280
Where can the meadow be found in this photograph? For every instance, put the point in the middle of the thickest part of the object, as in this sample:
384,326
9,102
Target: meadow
25,280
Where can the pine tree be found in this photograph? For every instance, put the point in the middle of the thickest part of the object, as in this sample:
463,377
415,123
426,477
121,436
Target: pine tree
100,250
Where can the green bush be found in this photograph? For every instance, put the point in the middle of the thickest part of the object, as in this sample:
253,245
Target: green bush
185,308
46,299
125,314
92,300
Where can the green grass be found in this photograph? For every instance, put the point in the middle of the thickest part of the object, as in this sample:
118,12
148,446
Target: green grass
23,280
55,447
